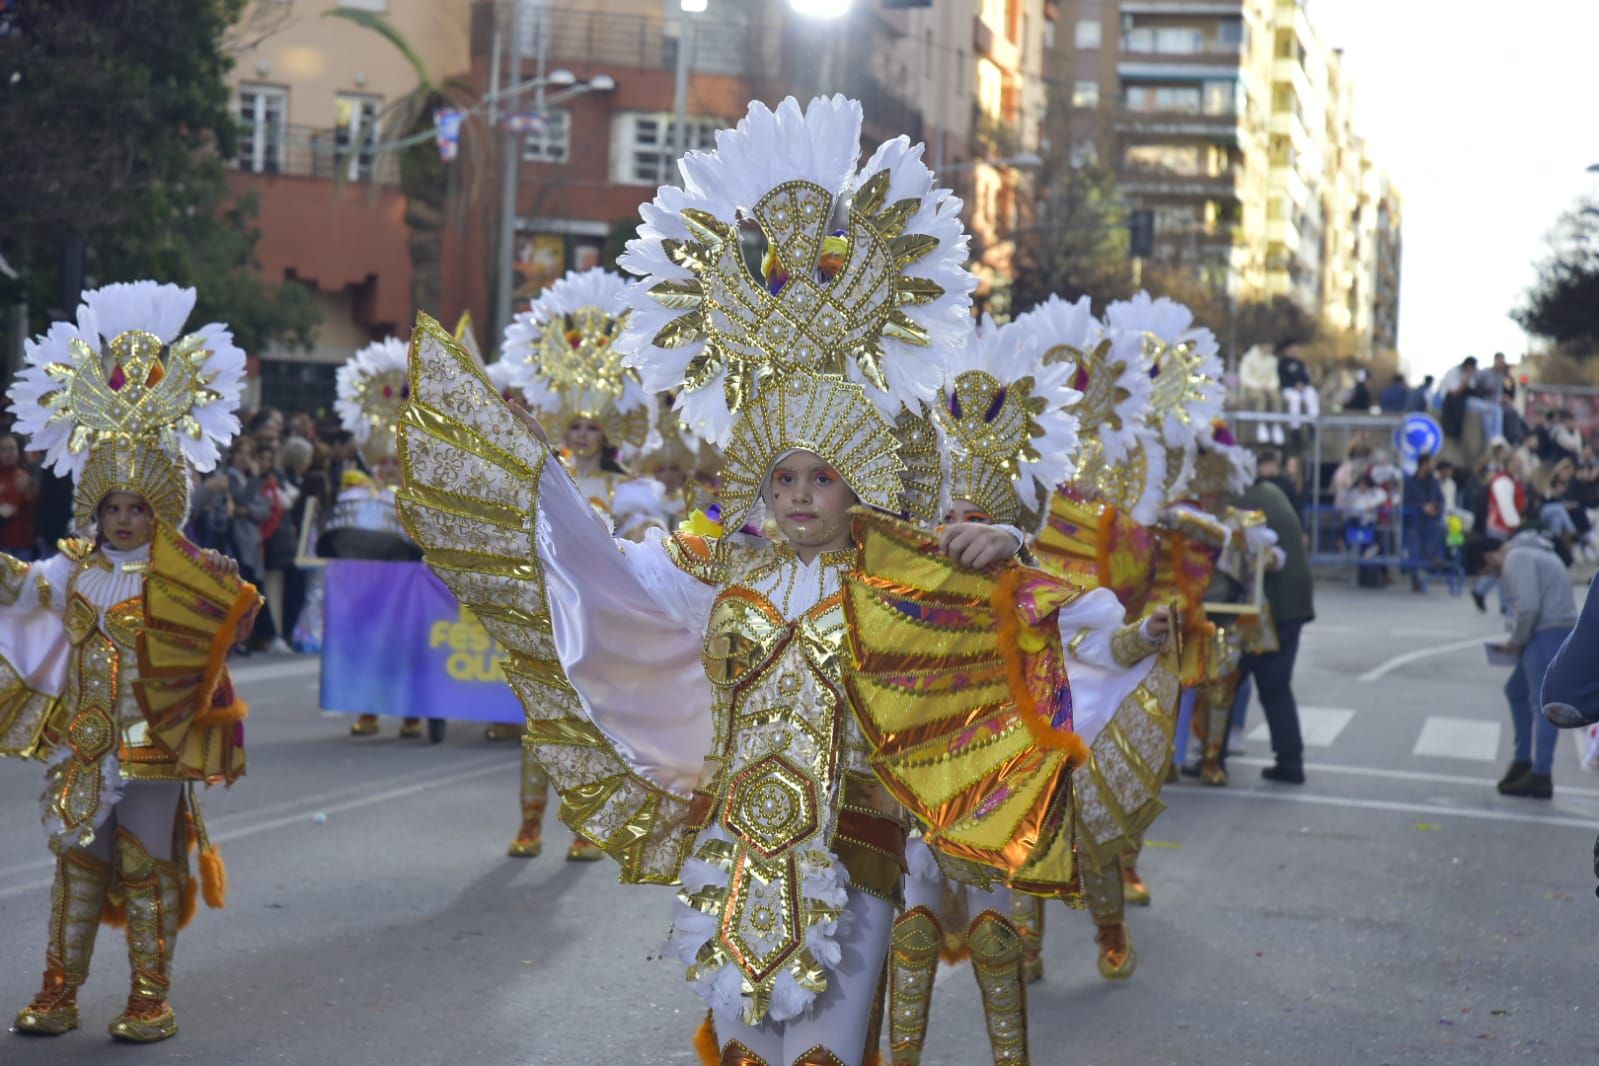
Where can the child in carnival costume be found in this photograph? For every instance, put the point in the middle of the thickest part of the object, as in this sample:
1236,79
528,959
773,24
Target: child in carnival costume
779,814
1099,534
113,652
1011,419
1224,469
363,524
560,360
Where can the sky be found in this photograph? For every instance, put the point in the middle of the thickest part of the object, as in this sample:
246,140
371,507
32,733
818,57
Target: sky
1486,116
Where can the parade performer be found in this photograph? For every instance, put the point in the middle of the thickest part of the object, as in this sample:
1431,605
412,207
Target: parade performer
1100,534
1238,543
781,825
1010,418
114,650
560,359
363,524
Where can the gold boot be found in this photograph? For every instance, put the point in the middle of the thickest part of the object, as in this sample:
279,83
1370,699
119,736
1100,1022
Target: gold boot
913,956
529,840
1027,915
1117,959
410,728
365,725
1134,891
997,962
154,891
584,850
75,901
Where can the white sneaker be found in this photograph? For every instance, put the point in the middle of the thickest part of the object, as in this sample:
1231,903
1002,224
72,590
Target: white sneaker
1235,742
279,647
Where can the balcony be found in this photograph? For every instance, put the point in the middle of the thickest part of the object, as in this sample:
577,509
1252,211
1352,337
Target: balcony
309,152
1182,7
1223,128
1282,231
618,41
1164,183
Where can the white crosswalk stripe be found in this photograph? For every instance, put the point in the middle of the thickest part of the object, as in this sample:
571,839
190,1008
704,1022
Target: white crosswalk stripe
1319,726
1458,738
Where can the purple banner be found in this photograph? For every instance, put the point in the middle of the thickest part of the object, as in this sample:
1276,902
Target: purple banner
396,642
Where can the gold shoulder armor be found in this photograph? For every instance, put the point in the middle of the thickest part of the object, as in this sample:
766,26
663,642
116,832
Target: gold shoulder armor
703,558
75,548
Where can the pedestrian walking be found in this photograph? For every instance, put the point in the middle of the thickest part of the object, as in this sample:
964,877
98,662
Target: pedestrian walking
1290,594
1543,611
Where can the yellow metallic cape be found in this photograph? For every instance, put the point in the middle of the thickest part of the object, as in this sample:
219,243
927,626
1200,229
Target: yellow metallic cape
471,500
957,674
190,621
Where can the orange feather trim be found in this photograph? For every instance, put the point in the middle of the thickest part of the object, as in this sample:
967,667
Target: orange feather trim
191,903
706,1045
245,603
950,956
1107,524
226,714
1007,626
214,879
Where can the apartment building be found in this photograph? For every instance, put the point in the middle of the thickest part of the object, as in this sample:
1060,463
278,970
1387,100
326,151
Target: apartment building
309,91
1232,123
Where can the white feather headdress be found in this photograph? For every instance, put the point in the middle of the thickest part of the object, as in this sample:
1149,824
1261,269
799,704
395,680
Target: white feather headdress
863,283
1187,390
123,403
1006,412
371,389
561,353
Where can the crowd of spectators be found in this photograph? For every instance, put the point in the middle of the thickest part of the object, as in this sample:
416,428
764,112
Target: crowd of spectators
253,507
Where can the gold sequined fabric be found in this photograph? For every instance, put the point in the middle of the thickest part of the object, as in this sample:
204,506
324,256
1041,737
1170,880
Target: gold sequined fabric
913,959
470,501
997,956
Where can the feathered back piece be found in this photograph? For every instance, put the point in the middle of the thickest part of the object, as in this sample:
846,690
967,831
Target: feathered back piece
1006,413
848,315
123,403
561,355
371,390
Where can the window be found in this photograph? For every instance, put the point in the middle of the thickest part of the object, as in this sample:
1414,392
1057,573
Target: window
644,146
990,89
1223,97
1178,40
1085,94
1087,33
1182,99
263,115
550,142
1230,33
1049,35
1164,158
355,131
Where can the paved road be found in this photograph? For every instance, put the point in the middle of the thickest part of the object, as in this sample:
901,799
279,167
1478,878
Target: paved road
1395,910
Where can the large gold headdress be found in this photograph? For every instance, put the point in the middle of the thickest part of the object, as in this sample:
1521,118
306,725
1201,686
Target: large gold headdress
860,293
124,404
561,355
372,388
1006,415
1185,373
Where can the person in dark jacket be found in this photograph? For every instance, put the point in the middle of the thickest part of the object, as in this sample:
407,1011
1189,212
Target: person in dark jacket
1423,520
1394,396
1290,593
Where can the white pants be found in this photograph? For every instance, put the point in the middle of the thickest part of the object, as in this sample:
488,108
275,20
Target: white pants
839,1018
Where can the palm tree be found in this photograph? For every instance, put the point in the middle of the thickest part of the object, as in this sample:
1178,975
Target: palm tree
424,177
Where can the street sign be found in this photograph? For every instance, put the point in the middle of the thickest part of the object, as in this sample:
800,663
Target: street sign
1418,435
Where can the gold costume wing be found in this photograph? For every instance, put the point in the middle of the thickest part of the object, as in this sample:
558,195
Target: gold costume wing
470,501
191,617
959,685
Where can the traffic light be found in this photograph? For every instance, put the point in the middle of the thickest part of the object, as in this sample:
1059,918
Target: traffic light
1141,234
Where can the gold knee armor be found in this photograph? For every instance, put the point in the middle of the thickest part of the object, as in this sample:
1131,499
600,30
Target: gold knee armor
913,957
75,901
1027,915
997,962
153,889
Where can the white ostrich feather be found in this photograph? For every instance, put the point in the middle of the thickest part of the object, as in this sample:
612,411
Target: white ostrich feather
1172,323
